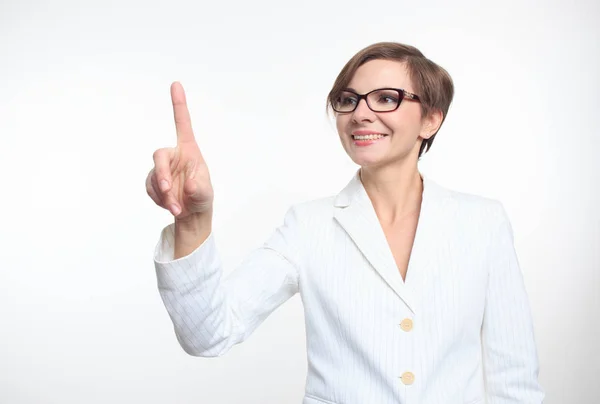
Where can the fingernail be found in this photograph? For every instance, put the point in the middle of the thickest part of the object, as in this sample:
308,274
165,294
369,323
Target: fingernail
164,185
175,209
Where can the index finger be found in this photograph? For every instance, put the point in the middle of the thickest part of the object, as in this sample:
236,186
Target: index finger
183,123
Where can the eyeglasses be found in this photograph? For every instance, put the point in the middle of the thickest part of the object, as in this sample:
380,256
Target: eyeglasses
379,100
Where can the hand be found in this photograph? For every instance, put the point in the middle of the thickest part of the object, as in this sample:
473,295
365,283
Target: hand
180,181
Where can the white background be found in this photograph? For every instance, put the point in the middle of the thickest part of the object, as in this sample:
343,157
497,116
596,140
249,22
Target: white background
84,102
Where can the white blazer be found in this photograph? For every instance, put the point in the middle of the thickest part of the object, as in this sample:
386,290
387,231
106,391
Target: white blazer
457,331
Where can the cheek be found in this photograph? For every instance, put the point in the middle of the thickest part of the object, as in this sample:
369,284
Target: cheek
341,123
402,124
394,125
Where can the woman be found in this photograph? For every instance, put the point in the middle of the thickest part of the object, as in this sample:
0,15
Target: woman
412,292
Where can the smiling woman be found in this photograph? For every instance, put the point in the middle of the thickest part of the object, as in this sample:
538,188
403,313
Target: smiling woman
412,292
421,75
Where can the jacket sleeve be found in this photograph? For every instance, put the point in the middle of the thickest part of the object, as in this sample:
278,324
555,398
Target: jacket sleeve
211,313
509,352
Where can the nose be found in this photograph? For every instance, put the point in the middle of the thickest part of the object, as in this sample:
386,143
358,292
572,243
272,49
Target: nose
363,112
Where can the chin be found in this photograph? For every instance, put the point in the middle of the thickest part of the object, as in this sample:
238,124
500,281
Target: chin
369,161
376,161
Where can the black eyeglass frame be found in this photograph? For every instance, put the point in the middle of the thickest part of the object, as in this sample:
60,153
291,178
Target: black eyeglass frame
403,95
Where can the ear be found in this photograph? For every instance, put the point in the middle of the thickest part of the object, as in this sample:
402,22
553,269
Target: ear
432,123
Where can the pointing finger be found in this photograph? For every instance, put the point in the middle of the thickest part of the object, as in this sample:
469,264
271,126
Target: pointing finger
183,123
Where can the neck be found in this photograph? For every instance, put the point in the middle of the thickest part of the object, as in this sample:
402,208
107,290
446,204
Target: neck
395,192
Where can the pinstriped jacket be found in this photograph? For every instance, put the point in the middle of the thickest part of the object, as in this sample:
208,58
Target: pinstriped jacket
458,330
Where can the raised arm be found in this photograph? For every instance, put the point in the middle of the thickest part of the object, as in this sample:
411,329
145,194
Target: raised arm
210,314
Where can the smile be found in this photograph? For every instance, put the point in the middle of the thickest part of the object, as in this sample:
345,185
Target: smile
366,140
368,137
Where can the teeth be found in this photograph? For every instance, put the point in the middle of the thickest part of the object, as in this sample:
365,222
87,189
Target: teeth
367,137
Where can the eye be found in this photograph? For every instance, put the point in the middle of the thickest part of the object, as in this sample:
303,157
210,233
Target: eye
387,99
346,99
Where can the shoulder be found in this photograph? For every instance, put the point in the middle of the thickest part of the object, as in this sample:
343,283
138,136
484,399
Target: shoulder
468,208
315,209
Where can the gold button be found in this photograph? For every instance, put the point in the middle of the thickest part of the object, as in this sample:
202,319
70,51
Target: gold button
406,324
408,378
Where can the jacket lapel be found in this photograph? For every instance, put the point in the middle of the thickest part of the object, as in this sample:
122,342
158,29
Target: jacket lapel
356,215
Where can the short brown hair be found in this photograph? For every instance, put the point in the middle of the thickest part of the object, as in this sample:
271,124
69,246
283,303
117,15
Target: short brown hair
431,82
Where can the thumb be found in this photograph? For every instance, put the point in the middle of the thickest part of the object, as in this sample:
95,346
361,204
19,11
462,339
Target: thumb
190,188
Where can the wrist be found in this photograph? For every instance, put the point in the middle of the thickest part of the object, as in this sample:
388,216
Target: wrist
194,222
191,232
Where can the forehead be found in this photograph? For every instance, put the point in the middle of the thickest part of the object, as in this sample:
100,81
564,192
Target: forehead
380,73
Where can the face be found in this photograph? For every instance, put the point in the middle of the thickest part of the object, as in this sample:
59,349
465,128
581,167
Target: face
403,129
